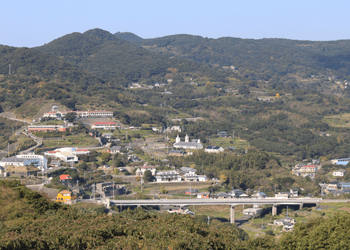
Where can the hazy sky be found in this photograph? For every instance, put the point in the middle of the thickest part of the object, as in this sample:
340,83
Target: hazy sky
33,23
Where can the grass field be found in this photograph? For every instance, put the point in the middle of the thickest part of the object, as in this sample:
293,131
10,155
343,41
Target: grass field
71,141
342,120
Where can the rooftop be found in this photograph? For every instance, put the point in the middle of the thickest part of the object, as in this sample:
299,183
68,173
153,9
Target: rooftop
104,123
13,159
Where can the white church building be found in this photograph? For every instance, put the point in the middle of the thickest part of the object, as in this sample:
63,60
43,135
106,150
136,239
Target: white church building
194,144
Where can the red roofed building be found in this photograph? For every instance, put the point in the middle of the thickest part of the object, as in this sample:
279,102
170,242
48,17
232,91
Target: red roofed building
308,169
45,128
104,125
65,177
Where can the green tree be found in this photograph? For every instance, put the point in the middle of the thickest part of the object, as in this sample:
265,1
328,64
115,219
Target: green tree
147,176
70,117
105,157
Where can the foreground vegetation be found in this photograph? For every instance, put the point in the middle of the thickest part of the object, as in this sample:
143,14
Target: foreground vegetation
29,221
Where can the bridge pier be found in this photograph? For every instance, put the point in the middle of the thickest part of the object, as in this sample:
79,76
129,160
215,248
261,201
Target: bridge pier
302,204
274,209
232,214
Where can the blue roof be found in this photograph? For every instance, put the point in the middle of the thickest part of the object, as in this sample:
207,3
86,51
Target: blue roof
343,163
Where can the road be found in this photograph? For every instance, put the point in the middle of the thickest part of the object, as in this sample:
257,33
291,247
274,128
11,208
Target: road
37,140
251,229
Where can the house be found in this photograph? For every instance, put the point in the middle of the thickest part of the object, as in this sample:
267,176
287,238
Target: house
243,196
284,195
114,150
299,165
235,193
315,161
203,196
340,172
194,144
188,170
294,192
214,149
191,191
104,125
65,196
202,177
107,135
65,177
223,196
258,195
55,163
223,134
172,129
94,133
252,211
190,174
177,153
134,158
332,187
287,223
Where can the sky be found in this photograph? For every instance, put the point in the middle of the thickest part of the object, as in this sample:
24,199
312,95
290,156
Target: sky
33,23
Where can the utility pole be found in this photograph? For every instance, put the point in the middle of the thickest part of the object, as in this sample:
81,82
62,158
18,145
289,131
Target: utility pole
190,191
8,150
113,188
208,219
141,184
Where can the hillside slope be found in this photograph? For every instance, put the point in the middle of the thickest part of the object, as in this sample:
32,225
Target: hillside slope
282,62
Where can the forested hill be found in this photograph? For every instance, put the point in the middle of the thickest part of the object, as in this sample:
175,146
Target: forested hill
128,36
105,55
280,61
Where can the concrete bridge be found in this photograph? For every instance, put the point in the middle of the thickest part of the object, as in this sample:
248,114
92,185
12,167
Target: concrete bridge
231,202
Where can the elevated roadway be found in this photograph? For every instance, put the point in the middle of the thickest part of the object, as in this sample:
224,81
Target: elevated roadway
232,202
